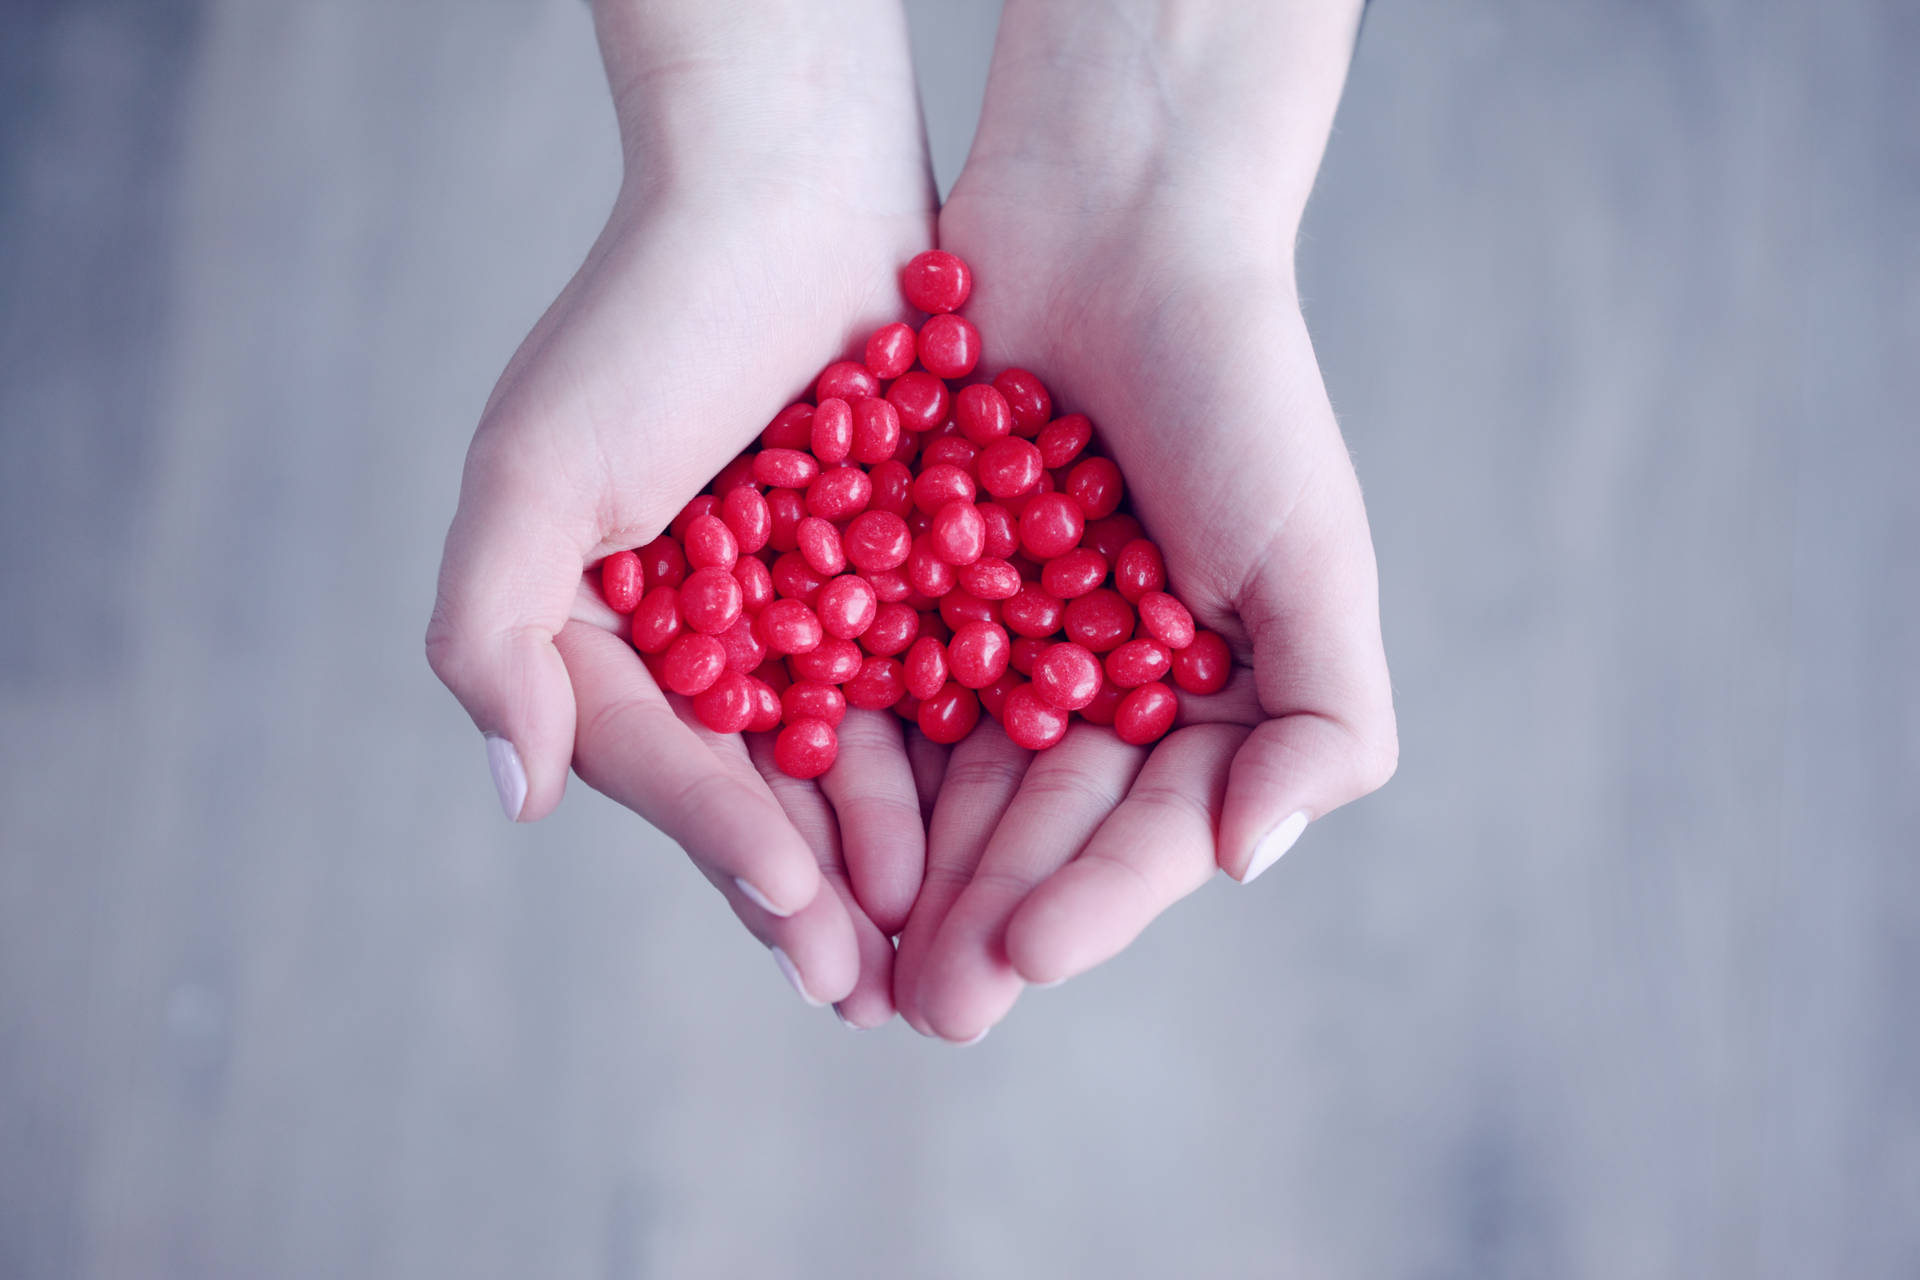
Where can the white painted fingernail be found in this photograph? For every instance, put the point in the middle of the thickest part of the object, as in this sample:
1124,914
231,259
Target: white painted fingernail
961,1044
1273,844
1044,986
759,899
509,775
851,1026
793,975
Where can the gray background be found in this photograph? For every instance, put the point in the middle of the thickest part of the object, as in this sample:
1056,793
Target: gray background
1619,303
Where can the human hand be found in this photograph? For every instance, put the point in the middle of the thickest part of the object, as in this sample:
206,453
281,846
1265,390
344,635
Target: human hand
776,178
1159,299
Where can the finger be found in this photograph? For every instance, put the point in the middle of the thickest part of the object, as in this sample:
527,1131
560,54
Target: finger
882,835
929,761
1313,614
856,974
983,773
966,983
507,580
1155,849
631,747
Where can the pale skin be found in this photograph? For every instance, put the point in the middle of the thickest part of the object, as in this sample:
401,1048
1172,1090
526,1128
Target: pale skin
1129,209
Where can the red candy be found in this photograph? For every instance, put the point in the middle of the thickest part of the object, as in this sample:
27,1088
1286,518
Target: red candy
1009,466
1203,666
1074,573
1138,662
1145,714
1166,619
1026,398
879,684
1061,440
726,705
806,748
936,281
958,534
877,540
846,606
926,667
1051,525
1139,570
806,700
921,400
846,380
889,352
711,600
979,653
876,430
1031,721
656,620
948,715
905,544
949,347
1067,675
621,580
710,543
692,663
982,414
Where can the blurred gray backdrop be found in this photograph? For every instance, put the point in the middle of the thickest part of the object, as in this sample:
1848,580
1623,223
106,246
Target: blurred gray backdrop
1620,304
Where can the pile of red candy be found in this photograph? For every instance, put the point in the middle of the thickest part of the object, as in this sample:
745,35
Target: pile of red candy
906,543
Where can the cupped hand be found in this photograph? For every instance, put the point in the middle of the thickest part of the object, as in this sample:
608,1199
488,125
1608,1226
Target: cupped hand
725,279
1174,324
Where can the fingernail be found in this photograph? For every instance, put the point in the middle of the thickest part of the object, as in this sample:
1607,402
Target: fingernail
509,775
1273,844
759,899
961,1044
1043,986
793,975
851,1026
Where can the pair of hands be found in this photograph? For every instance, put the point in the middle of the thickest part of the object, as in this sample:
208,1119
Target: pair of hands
758,237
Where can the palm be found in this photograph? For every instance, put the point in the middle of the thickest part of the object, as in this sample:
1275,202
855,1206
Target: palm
1200,378
678,339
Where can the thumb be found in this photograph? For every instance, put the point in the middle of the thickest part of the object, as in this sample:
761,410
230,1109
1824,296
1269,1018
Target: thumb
508,578
1313,611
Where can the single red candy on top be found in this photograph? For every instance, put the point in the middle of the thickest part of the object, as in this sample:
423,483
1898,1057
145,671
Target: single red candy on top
936,281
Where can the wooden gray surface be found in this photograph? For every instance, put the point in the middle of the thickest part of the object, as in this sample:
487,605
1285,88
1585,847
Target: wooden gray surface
1620,304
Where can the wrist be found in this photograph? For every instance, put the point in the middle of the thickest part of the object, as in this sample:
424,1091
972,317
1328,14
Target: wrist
1168,102
721,98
